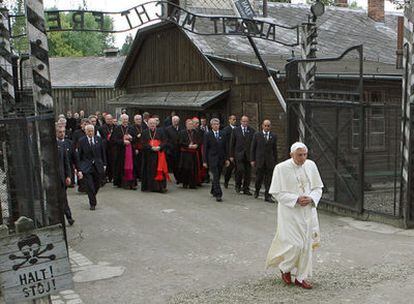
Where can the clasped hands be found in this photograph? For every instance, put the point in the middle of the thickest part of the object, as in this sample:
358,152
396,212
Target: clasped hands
304,200
193,146
157,148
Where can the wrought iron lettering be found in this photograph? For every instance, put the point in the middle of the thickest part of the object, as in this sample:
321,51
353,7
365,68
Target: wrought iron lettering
166,11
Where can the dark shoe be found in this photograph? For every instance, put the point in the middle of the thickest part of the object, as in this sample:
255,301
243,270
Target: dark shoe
269,199
238,190
304,284
71,221
219,199
193,187
163,191
226,185
92,208
247,192
286,278
256,194
133,188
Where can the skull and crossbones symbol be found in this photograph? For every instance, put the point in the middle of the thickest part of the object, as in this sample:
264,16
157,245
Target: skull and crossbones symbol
30,247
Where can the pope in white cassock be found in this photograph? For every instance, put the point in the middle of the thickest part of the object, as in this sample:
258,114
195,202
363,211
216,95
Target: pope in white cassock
297,186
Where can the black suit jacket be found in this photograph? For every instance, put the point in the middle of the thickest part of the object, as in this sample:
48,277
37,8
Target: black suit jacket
214,150
240,144
91,156
171,135
76,136
264,152
70,151
64,163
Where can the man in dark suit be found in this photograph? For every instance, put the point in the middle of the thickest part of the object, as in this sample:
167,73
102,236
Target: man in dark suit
263,156
173,147
240,142
227,133
64,170
214,154
91,163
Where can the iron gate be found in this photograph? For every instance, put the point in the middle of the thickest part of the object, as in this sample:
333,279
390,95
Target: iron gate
356,144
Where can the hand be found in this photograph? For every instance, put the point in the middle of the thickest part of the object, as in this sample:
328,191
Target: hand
253,163
126,142
139,135
227,163
232,159
136,152
195,146
80,175
205,165
304,200
104,168
67,181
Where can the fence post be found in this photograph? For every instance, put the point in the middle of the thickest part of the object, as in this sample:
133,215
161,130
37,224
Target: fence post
25,224
6,66
406,195
43,104
307,71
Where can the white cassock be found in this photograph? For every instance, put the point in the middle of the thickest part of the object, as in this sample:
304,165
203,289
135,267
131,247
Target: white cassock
297,227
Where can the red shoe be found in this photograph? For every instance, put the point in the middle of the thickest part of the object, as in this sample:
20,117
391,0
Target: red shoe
286,278
304,284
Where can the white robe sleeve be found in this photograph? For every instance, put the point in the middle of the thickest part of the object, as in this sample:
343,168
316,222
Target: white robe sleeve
316,195
286,198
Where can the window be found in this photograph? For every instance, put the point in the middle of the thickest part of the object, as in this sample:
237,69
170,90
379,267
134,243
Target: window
83,94
374,129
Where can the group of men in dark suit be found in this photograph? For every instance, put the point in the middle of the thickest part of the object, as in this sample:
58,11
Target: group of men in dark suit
250,149
100,151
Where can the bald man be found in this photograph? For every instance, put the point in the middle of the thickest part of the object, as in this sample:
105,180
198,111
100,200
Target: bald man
240,143
263,157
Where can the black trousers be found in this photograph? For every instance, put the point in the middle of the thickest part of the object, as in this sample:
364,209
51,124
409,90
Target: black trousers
66,208
92,181
243,174
228,171
215,185
264,174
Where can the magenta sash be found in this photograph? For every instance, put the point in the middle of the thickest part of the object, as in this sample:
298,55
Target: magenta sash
128,164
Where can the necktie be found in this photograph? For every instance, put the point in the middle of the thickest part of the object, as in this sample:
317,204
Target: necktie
217,134
244,131
90,142
267,135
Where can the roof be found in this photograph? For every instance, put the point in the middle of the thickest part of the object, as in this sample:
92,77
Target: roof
188,100
85,72
339,29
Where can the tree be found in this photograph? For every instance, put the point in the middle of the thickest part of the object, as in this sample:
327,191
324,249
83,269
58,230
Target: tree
20,44
127,45
64,44
80,43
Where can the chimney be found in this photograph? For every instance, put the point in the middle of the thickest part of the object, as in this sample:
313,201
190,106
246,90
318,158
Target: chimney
376,10
400,42
341,3
112,52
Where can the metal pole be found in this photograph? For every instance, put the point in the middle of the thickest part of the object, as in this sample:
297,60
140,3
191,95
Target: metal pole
272,82
265,8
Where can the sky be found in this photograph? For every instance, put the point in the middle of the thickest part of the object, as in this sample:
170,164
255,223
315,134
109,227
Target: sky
120,5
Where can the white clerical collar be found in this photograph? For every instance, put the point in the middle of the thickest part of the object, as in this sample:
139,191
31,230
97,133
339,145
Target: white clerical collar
296,166
232,126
